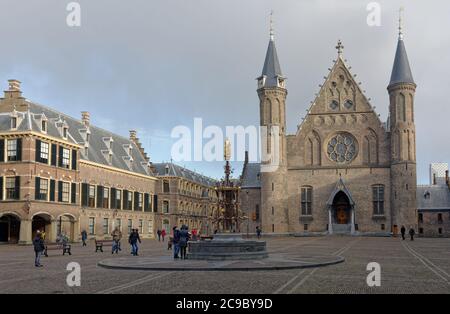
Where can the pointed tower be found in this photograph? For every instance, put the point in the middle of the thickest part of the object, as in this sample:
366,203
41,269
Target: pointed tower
272,103
401,90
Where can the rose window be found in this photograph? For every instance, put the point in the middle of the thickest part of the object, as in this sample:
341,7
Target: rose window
342,148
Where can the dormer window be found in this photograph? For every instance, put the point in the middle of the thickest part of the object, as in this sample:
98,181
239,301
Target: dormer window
88,135
13,123
44,126
166,170
110,158
65,129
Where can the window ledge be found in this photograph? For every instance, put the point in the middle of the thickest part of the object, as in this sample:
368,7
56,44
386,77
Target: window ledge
379,217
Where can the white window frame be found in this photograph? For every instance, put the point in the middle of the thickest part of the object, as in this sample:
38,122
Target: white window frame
45,152
65,158
66,183
107,226
91,219
119,192
47,190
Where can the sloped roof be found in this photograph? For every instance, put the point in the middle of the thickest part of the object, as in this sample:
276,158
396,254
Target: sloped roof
271,68
401,71
340,187
175,170
439,197
30,121
251,176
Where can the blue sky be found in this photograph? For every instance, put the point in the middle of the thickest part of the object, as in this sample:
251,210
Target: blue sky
153,65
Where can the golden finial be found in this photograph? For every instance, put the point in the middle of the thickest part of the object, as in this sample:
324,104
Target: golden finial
271,25
340,47
400,23
227,150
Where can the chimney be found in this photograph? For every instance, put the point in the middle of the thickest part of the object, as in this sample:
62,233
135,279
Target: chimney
246,157
85,118
13,89
434,178
133,135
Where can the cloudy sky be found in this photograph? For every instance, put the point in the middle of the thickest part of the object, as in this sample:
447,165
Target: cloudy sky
152,65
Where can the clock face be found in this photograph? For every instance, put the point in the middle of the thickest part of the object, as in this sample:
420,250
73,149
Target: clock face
341,148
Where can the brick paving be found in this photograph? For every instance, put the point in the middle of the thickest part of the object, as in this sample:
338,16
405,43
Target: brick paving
421,266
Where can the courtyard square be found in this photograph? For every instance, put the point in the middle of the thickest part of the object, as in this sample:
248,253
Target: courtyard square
421,266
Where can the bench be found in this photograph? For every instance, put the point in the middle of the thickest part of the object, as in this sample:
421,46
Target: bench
206,237
99,244
57,246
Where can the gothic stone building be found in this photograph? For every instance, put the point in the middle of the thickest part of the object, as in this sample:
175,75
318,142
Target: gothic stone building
344,170
63,175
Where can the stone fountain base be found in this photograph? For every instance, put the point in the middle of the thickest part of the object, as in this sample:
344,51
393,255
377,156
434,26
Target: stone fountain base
227,246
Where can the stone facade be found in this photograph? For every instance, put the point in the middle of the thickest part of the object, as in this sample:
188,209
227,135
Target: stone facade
344,170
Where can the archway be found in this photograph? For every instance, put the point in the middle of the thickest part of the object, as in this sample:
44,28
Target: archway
9,228
341,209
166,225
66,226
41,222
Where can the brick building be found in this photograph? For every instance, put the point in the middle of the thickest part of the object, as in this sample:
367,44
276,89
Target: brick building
63,175
185,197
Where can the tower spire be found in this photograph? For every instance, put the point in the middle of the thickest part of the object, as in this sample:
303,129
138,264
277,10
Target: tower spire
340,48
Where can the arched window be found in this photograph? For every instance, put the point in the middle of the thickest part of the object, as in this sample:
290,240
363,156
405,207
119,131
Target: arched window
306,200
378,199
401,108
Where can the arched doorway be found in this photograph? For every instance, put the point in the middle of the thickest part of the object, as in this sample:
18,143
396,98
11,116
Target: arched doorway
166,225
41,222
66,226
9,228
341,209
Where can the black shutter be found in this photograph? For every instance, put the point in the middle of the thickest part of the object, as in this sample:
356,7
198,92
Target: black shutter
19,149
125,199
146,202
74,159
2,150
53,157
1,188
38,150
99,196
60,156
37,189
84,194
60,187
136,201
155,203
74,193
52,190
17,188
113,199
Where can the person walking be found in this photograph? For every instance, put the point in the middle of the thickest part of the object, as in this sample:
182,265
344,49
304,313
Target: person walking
176,240
184,238
412,233
84,237
258,232
403,231
159,235
163,234
133,239
117,236
39,247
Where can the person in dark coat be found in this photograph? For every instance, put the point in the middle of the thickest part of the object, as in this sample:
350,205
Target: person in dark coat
133,240
412,233
184,238
159,235
175,241
39,247
84,237
403,231
163,234
258,232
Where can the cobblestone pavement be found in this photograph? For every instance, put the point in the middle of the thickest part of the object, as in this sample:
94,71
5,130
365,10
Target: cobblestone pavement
421,266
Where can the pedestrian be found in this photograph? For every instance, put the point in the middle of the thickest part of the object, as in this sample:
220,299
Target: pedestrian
163,234
170,243
412,233
39,247
84,237
117,236
184,239
403,231
134,238
159,235
176,240
43,235
258,232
